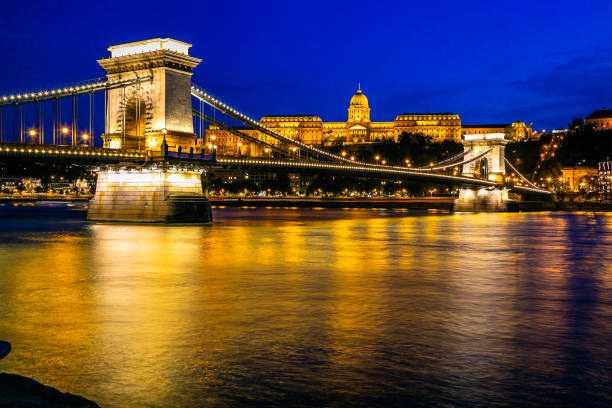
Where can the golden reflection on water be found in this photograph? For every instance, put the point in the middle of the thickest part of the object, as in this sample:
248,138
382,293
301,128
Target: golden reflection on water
266,303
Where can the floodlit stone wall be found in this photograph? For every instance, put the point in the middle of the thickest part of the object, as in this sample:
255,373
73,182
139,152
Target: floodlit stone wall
149,195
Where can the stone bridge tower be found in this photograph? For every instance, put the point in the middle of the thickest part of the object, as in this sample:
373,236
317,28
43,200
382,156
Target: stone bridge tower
142,115
490,166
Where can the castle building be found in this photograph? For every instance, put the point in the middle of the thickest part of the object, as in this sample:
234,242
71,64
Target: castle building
599,119
358,128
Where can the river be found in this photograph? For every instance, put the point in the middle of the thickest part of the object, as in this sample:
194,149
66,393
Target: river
274,307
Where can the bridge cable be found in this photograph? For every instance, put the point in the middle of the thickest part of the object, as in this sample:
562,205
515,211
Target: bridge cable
450,159
236,132
520,175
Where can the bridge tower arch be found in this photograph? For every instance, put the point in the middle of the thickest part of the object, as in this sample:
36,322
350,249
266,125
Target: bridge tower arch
494,144
488,153
137,115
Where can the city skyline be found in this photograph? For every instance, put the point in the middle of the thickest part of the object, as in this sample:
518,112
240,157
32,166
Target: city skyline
309,62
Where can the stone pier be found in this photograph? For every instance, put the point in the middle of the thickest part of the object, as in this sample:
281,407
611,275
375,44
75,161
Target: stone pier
149,194
481,200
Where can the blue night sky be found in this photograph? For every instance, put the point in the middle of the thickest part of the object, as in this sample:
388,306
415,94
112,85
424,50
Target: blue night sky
491,62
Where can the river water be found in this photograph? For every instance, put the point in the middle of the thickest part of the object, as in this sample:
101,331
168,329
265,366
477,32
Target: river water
314,308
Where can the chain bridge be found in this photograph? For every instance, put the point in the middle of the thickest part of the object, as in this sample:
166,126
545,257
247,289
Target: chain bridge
142,128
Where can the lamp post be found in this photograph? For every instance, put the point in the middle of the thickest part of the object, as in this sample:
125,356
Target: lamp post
85,137
32,134
65,132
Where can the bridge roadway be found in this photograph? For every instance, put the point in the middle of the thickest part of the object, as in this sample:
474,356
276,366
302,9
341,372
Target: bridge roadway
59,152
353,170
96,155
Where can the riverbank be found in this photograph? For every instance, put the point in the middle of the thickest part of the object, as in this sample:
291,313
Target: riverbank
18,391
41,197
583,206
433,203
429,203
444,203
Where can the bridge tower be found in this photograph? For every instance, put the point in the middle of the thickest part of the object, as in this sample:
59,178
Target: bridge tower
490,166
142,115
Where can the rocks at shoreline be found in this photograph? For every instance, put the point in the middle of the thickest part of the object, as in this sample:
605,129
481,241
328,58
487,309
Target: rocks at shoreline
17,391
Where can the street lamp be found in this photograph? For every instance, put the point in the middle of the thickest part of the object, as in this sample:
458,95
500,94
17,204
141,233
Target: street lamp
343,154
65,132
85,136
32,134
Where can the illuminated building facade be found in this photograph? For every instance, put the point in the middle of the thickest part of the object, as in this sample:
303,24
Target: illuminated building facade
515,131
358,128
578,178
599,119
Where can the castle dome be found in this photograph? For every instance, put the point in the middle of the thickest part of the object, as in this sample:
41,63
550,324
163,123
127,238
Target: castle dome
359,99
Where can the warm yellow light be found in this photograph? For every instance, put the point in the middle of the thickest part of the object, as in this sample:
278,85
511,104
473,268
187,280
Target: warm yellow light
85,136
32,132
152,143
213,137
384,162
164,131
210,145
115,144
343,153
377,157
239,144
266,150
353,158
65,130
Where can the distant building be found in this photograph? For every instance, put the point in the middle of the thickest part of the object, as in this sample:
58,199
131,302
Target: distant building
312,130
358,128
579,178
515,131
599,119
